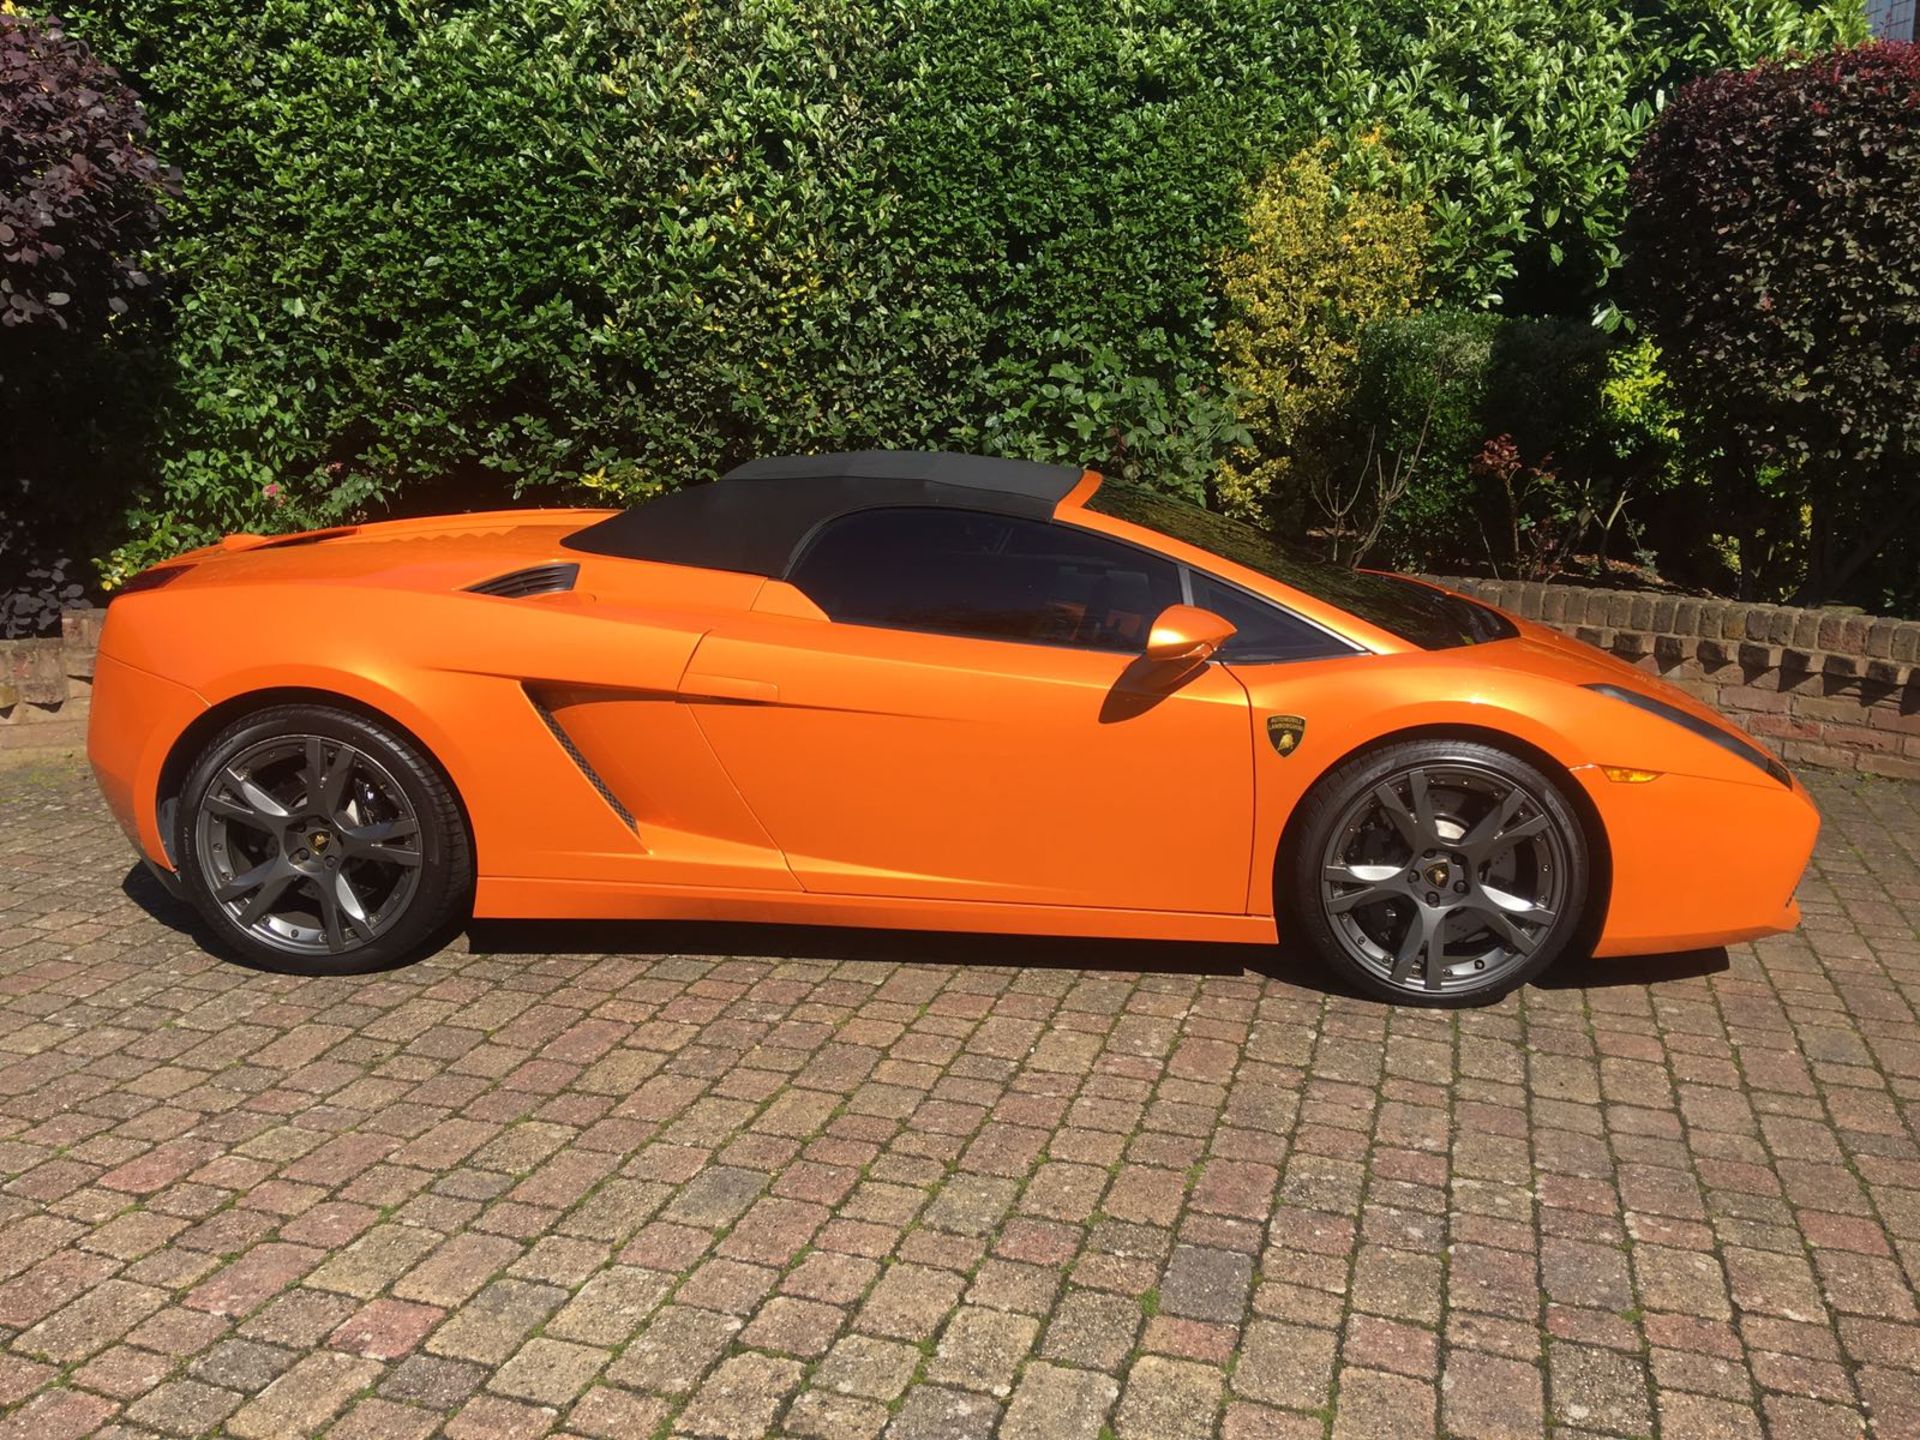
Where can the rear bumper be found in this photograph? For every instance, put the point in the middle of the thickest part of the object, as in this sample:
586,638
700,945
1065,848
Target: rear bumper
1699,863
132,723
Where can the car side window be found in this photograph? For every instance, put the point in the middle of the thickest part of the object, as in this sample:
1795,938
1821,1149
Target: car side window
994,577
1261,630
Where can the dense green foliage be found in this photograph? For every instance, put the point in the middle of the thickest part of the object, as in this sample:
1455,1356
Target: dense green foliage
1383,470
1775,244
1066,170
435,256
440,253
1517,120
1524,445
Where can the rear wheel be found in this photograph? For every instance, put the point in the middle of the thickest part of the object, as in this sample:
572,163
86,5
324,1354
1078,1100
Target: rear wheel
317,841
1438,872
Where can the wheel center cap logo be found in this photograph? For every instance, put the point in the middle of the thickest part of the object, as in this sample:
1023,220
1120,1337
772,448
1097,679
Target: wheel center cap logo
1437,874
319,840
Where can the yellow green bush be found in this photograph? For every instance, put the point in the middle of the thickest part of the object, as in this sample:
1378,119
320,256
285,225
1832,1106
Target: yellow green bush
1321,262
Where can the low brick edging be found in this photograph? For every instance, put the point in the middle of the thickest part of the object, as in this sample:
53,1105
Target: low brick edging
1826,687
1831,688
45,685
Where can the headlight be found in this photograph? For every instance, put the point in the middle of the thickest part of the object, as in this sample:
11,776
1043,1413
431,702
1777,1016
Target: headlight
1705,729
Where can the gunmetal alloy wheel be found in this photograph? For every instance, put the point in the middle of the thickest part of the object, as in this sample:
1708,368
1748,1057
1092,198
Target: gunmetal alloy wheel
1441,873
310,844
318,841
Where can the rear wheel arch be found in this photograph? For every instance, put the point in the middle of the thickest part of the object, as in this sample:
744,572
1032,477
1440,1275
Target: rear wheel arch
194,739
1600,851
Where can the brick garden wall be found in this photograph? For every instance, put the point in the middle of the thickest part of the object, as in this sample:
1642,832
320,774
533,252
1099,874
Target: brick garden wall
1824,687
44,685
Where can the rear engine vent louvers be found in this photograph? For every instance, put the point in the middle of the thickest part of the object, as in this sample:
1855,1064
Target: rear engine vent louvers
534,580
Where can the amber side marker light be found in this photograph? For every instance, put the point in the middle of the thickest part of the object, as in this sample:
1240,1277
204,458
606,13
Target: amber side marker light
1627,776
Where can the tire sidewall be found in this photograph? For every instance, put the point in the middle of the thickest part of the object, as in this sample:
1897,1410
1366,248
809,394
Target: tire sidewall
441,869
1327,800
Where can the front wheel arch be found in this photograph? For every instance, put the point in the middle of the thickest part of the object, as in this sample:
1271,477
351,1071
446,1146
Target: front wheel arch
211,721
1599,849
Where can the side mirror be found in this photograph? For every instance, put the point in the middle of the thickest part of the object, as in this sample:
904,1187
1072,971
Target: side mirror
1186,632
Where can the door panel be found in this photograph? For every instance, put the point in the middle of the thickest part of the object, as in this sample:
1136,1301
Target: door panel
689,824
887,762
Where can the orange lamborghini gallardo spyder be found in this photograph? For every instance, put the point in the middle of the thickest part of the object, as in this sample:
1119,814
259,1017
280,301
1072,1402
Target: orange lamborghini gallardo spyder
924,691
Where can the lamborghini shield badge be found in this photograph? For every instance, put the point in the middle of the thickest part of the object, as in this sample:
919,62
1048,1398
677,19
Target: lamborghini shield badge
1286,732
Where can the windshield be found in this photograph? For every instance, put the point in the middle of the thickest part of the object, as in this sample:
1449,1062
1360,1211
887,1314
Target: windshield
1404,608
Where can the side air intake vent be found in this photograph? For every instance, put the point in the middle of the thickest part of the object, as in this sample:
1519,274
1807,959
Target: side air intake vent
548,719
534,580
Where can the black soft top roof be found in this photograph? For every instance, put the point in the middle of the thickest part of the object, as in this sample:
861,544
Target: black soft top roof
755,516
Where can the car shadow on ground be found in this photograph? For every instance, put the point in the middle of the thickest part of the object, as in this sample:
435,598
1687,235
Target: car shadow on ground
140,886
1284,963
1601,973
743,940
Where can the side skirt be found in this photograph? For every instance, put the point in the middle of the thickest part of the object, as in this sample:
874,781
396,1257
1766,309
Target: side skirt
509,898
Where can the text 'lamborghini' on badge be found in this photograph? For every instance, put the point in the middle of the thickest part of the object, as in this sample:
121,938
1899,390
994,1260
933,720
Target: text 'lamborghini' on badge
1286,732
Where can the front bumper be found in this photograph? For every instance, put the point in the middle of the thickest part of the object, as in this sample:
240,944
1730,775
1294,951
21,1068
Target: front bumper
1698,862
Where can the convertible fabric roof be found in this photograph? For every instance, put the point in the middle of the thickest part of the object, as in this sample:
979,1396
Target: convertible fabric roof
755,516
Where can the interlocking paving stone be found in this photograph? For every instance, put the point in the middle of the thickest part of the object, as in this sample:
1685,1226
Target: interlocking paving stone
893,1187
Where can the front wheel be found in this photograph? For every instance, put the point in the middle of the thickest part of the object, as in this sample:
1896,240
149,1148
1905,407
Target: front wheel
1437,872
318,841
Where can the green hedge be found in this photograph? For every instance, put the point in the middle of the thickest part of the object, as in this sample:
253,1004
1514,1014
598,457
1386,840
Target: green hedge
431,255
1517,120
434,255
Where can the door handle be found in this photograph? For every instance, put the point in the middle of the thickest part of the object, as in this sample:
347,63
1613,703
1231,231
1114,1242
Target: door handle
730,687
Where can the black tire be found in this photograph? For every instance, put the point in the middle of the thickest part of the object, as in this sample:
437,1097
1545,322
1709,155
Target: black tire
1372,903
356,849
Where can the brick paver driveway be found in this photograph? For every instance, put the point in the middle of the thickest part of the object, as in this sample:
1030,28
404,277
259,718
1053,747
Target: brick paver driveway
846,1193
